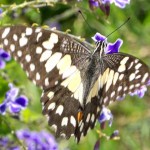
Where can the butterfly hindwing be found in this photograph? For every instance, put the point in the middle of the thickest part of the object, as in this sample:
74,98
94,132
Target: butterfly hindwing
123,74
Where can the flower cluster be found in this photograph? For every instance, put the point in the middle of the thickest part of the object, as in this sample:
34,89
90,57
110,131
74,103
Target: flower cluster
31,140
13,102
37,140
7,144
4,56
104,5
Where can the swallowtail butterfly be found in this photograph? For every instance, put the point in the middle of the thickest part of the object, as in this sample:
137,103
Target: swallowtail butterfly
76,78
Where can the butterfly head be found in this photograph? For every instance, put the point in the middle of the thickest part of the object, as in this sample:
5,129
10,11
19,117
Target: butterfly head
101,47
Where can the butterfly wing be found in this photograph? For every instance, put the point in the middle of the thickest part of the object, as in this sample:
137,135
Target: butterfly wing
56,62
121,74
124,74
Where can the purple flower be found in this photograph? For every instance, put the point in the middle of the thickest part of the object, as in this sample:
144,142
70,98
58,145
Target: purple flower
114,135
4,56
111,47
104,5
106,115
5,143
37,140
121,3
13,102
140,92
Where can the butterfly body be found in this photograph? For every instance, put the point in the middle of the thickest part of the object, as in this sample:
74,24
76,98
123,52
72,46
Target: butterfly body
76,78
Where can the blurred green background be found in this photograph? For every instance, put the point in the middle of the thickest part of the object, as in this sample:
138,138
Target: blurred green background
132,115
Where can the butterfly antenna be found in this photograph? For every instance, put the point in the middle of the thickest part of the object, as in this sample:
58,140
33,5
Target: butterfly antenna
79,11
118,27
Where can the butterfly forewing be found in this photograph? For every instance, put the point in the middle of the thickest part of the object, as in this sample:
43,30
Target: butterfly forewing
76,79
56,62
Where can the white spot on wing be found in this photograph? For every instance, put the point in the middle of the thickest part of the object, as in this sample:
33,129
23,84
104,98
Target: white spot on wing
92,117
144,77
51,106
28,31
50,95
81,127
38,36
119,88
49,44
110,79
73,121
19,53
46,82
52,61
88,117
112,94
60,109
32,67
37,76
121,76
131,87
131,64
37,30
121,68
23,41
64,121
64,64
15,37
6,42
54,127
5,33
45,55
124,60
39,50
138,66
137,77
104,77
12,47
28,58
115,78
132,76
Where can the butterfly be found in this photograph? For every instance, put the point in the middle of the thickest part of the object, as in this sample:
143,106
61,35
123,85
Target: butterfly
77,79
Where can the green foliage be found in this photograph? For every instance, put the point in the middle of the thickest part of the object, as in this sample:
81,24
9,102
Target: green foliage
132,115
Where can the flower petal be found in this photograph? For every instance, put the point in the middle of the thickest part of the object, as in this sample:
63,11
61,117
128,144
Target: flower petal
12,93
22,101
4,55
93,3
140,92
14,108
114,47
3,108
99,37
2,64
121,3
106,115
